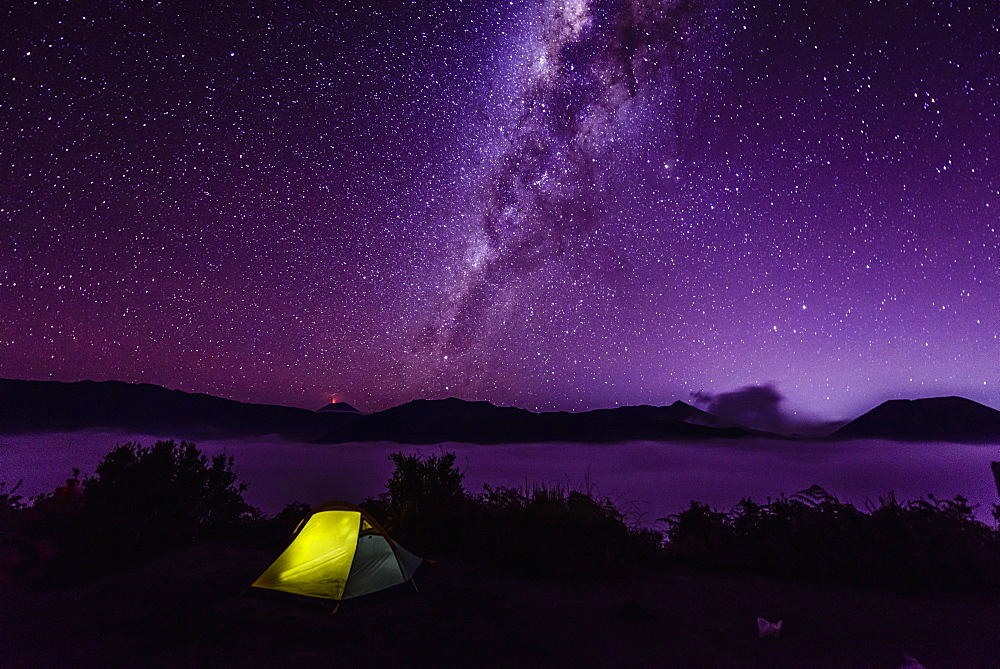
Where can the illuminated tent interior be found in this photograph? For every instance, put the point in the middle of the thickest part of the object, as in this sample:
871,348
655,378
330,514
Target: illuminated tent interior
339,552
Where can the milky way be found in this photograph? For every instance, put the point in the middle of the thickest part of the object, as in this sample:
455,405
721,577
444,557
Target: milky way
544,194
558,205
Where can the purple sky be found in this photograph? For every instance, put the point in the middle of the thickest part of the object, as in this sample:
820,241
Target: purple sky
553,204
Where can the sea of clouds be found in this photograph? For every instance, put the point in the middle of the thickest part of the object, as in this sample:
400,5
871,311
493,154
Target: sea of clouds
647,480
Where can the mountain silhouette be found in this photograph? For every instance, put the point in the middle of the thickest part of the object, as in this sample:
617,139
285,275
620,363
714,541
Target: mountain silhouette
46,406
452,419
933,419
337,407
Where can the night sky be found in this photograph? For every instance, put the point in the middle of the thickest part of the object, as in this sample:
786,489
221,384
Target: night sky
561,204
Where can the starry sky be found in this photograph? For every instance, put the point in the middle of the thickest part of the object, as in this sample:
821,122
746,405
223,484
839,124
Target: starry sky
554,204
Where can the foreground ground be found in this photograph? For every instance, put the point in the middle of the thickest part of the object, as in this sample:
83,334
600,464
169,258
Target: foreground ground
189,608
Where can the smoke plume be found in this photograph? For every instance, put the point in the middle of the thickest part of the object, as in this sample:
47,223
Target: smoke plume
756,407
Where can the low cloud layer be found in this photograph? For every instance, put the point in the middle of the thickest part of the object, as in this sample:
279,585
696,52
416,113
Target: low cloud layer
650,479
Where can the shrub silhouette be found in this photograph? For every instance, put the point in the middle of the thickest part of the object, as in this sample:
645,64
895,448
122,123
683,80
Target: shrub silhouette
934,541
552,532
9,499
560,533
18,555
417,480
143,501
926,543
425,505
275,531
172,487
699,535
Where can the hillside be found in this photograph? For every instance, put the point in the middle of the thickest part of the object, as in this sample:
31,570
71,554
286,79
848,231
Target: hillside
44,406
37,406
933,419
435,421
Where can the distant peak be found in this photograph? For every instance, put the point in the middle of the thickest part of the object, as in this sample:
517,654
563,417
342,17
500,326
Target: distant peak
929,419
338,407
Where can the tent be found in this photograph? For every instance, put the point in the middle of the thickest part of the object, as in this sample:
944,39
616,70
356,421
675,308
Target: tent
338,552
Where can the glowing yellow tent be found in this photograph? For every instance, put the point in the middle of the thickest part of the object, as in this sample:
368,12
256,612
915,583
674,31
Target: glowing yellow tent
339,552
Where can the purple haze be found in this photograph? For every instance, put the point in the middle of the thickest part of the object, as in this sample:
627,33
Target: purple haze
647,480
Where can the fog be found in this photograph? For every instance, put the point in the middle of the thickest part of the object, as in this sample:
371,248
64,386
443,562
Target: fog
647,480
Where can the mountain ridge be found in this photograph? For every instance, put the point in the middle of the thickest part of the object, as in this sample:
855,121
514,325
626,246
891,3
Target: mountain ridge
949,418
28,406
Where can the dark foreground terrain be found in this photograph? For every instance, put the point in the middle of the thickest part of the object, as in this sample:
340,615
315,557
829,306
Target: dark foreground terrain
189,608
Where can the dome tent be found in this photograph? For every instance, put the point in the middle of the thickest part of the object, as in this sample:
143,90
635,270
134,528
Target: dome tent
339,552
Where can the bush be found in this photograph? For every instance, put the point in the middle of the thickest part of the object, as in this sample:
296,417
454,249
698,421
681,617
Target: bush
425,505
699,535
934,542
172,489
560,533
274,532
921,544
9,499
550,532
18,555
144,501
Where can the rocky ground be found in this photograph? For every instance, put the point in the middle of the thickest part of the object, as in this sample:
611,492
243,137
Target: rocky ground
191,608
